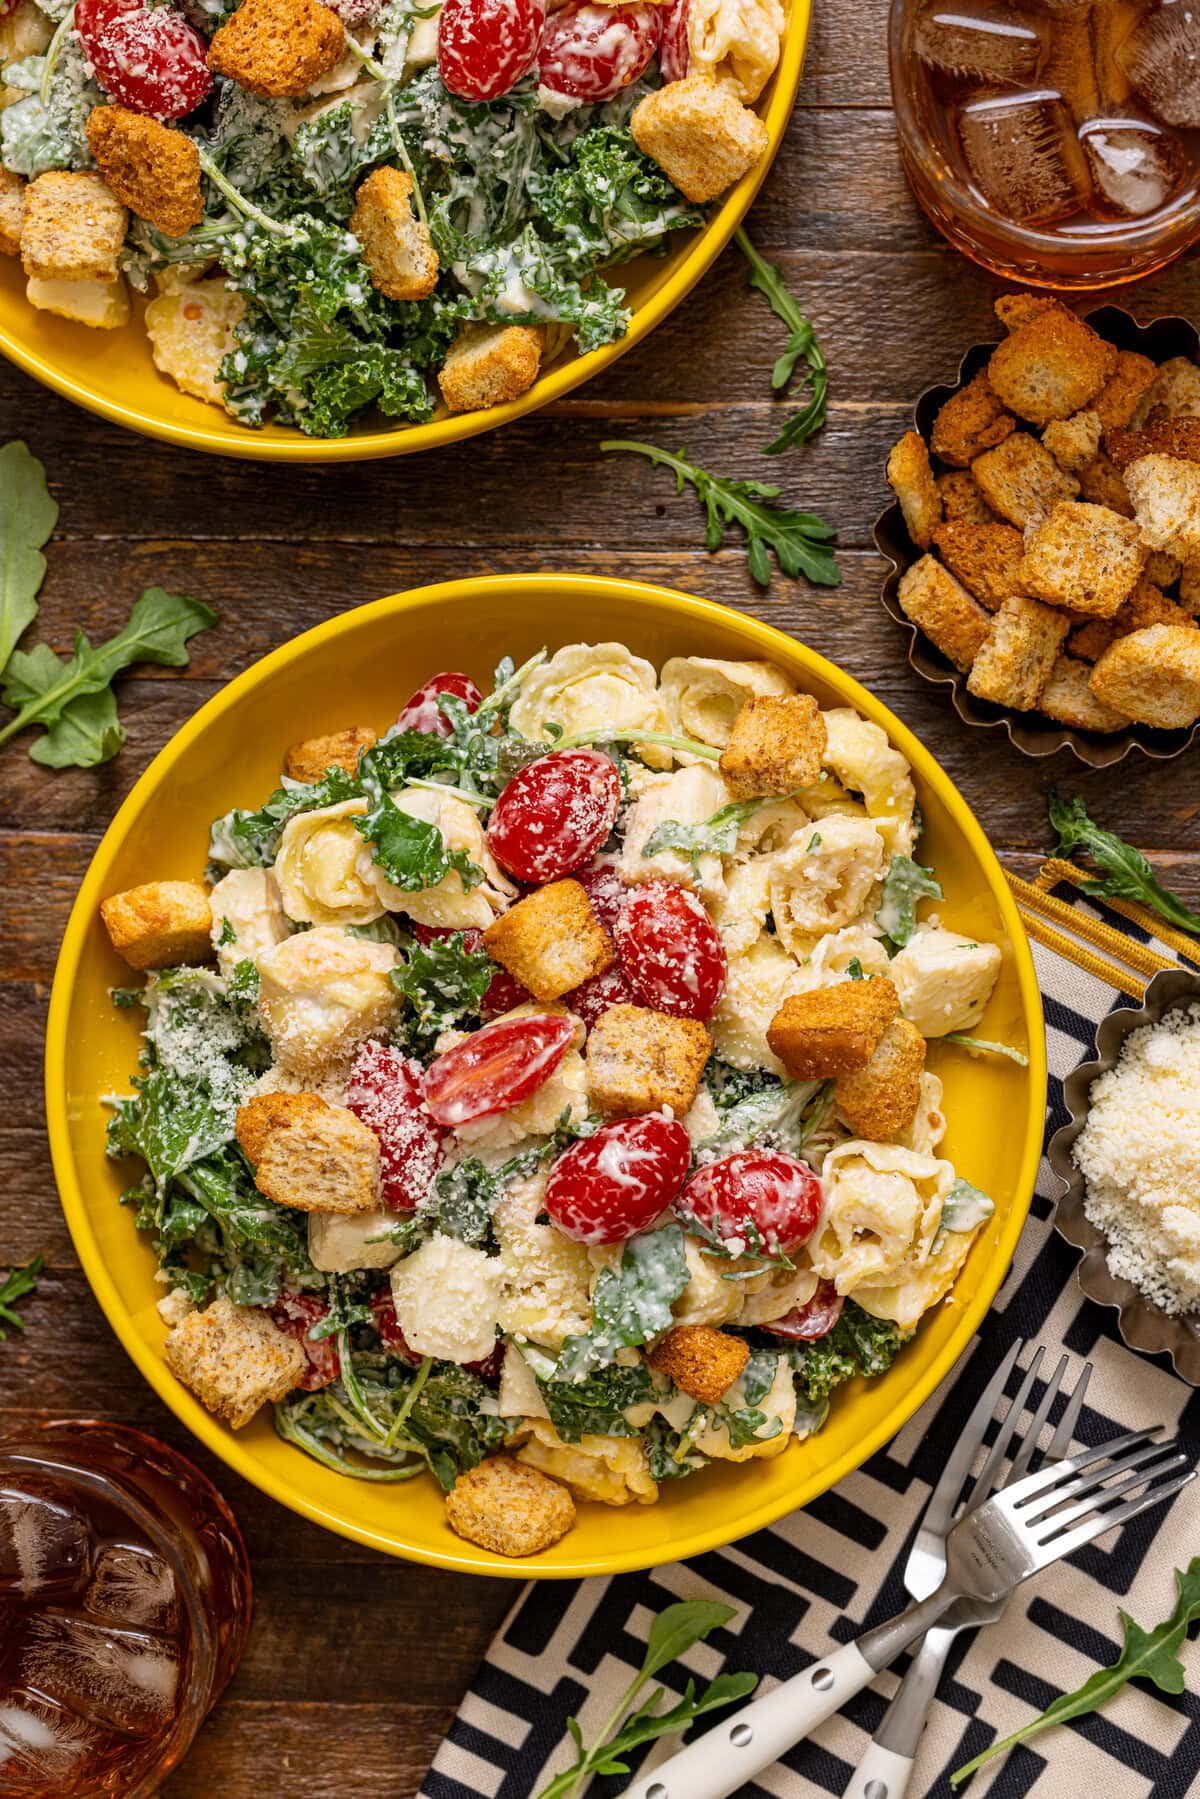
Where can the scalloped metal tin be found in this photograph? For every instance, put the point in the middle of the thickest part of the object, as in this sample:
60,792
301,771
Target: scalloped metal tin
1030,732
1143,1326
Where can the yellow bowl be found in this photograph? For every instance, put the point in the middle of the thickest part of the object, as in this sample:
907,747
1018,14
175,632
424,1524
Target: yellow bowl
112,373
359,668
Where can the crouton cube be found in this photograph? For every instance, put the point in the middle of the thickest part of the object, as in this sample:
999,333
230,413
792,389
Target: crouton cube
1090,641
1189,586
396,247
308,761
104,305
1015,310
641,1061
1074,443
776,746
944,610
880,1099
910,478
1175,389
1021,481
235,1359
1120,396
152,169
830,1031
12,212
73,228
267,1112
1153,676
551,941
191,331
699,134
1084,557
278,48
700,1360
1068,697
509,1508
1021,648
1051,366
487,365
1166,498
1171,437
324,1161
1101,483
962,499
160,924
1146,605
985,558
971,421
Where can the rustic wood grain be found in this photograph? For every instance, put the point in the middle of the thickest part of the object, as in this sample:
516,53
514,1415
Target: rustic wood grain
356,1663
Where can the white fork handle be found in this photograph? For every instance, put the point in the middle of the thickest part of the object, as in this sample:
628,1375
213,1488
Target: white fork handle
881,1774
722,1760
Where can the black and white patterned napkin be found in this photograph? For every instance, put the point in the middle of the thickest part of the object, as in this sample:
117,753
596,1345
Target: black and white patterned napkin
823,1575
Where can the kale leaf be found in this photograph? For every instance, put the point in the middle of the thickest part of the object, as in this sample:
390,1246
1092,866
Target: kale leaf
444,983
596,1405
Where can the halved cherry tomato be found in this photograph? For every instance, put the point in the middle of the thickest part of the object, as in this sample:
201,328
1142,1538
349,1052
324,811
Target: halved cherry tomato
296,1313
146,58
613,1184
486,46
759,1195
422,713
670,950
553,816
803,1324
605,889
674,51
383,1314
592,1000
590,51
505,991
496,1067
385,1092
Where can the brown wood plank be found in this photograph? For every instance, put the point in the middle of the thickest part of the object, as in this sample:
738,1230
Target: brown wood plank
318,1751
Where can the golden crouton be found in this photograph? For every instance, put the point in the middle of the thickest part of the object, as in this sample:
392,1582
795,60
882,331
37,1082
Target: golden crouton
640,1061
944,610
1074,443
1175,391
1083,557
699,134
551,941
880,1099
278,48
1068,697
1170,437
1166,498
12,212
1101,482
1021,481
776,745
985,558
1153,676
150,168
1146,605
971,421
191,331
1120,396
700,1360
509,1508
307,761
1021,648
103,305
911,480
1015,310
962,500
396,247
268,1112
1162,569
326,1161
1189,586
1051,366
832,1030
160,924
487,365
235,1359
73,228
1089,641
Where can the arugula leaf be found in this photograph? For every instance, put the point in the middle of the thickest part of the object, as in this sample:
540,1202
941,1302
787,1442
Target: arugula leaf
631,1303
716,836
27,517
964,1208
801,345
244,839
905,883
17,1283
986,1048
800,540
1125,871
467,1193
1145,1655
788,1112
443,982
262,1247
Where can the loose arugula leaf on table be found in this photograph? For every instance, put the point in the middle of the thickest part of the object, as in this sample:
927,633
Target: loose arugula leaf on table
1125,872
17,1284
27,517
443,982
1145,1655
715,836
799,540
631,1303
801,345
905,883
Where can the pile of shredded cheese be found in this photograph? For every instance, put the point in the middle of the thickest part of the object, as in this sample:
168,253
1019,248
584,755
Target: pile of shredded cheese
1139,1153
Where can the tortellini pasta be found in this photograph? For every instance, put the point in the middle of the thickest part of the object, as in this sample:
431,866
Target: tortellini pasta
325,870
612,1470
690,796
908,1298
944,979
247,917
703,696
864,761
737,41
740,914
929,1123
833,954
756,985
774,1295
778,1402
707,1298
820,885
322,993
546,1277
449,904
882,1210
585,685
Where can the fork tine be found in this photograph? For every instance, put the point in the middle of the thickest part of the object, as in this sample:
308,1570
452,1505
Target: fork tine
940,1509
1051,1473
1043,1554
1037,1424
1057,1522
1064,1436
1035,1510
988,1475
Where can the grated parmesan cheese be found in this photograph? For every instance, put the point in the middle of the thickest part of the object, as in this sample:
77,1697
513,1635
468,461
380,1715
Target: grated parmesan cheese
1139,1153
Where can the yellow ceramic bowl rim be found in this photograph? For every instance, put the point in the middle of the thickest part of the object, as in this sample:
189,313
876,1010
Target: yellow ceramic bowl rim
762,640
401,440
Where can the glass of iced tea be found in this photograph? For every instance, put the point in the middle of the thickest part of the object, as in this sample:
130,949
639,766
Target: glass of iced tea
1055,141
124,1607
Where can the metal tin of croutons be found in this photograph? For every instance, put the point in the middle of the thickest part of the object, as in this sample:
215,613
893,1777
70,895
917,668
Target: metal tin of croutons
1031,732
1143,1325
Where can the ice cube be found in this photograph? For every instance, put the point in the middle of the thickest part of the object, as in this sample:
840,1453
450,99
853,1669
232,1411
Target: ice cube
1070,70
1135,167
40,1744
1024,156
980,45
45,1544
131,1585
1161,56
126,1679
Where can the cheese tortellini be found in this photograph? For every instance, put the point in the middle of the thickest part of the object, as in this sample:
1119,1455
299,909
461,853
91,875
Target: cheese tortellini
737,41
703,696
545,1276
864,761
823,884
586,685
883,1207
322,993
944,979
612,1470
690,796
756,985
325,870
450,904
247,917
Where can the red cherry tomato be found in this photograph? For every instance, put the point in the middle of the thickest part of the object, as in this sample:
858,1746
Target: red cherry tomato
385,1092
554,815
671,951
803,1324
296,1313
422,713
595,996
603,886
146,58
759,1195
611,1185
674,49
383,1315
590,51
505,992
486,46
496,1067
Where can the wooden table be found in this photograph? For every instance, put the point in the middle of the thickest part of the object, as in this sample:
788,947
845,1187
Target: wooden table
356,1663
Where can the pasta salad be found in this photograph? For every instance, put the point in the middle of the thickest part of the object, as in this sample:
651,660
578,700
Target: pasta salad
536,1095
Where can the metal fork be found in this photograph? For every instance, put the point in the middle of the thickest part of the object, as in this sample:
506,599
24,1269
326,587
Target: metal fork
885,1769
989,1552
